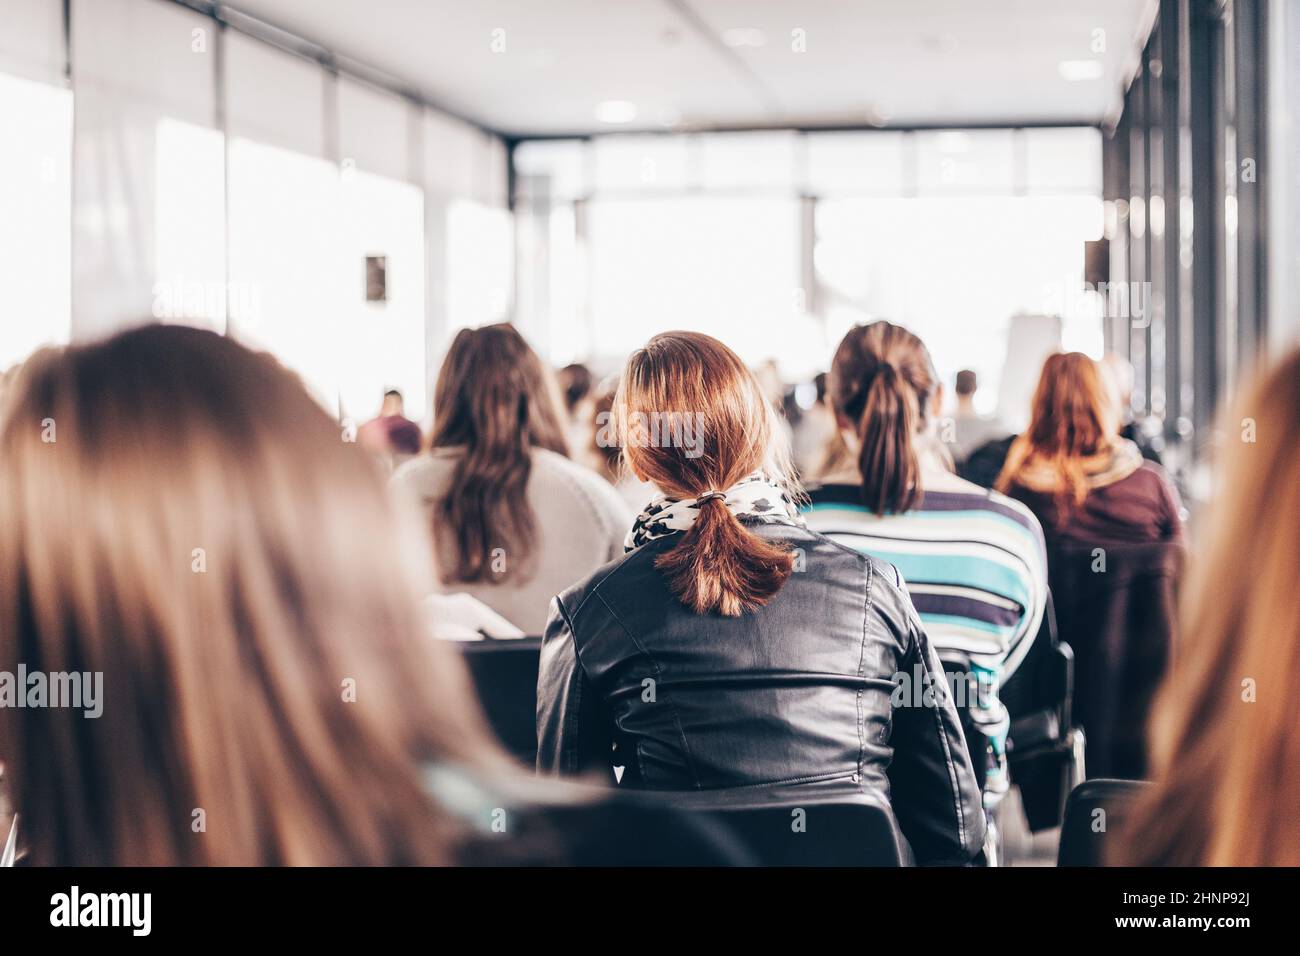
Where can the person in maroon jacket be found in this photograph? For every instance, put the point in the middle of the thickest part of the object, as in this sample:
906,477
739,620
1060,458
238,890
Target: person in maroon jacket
1103,508
1082,480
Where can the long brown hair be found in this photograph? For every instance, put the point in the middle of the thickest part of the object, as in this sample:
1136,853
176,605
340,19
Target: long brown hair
718,565
177,514
1225,731
497,401
1074,418
883,380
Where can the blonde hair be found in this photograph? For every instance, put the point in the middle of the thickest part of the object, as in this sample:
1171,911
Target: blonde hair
1225,731
178,514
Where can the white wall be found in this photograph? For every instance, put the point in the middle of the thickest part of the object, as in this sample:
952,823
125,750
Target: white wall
203,176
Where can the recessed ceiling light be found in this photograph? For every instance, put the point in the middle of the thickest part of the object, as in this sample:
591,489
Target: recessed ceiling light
1076,71
743,36
615,111
878,115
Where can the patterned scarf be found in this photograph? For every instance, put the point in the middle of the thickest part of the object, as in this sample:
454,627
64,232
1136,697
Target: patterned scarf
754,497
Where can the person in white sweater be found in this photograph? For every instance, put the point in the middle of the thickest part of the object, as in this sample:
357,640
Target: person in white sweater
512,520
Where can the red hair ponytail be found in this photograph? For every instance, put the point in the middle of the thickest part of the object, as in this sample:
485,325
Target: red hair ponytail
718,565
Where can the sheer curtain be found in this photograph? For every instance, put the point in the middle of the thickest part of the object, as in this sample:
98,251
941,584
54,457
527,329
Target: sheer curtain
147,167
35,181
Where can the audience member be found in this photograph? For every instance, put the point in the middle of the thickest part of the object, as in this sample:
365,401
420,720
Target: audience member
971,430
391,436
576,391
733,648
973,560
1074,471
606,456
184,531
1225,736
814,432
1145,433
513,520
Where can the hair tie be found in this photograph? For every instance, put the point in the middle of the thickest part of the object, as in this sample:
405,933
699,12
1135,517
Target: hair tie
710,495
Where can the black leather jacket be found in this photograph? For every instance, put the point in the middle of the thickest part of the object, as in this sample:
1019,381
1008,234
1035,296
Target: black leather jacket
799,694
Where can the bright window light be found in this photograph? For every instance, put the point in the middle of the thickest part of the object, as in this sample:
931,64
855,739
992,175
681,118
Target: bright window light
36,225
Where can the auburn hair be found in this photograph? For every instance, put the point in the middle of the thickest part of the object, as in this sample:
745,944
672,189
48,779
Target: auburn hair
882,381
1225,731
1074,417
719,565
177,514
495,401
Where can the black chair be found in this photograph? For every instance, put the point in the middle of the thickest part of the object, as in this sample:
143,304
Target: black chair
739,827
505,676
1120,623
1044,747
610,829
1095,812
781,829
830,834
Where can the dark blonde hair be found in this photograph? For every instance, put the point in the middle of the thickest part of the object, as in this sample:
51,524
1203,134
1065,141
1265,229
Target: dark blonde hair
1225,753
718,565
883,380
177,513
1073,418
497,400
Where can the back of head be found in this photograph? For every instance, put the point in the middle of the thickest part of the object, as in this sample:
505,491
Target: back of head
497,401
604,451
393,403
692,418
180,518
882,382
575,383
1225,734
967,383
1073,419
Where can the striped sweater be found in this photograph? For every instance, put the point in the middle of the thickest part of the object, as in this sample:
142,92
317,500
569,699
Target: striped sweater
974,563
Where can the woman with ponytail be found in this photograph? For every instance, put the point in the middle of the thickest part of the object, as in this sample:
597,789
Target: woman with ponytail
974,560
730,647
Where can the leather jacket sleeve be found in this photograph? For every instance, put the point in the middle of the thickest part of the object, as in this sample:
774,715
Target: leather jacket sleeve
574,730
934,791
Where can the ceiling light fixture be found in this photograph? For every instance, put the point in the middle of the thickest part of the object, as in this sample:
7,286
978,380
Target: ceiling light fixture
615,111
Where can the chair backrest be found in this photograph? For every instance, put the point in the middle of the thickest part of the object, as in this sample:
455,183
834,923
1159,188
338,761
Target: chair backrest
816,834
1094,814
505,676
1041,683
1117,610
798,826
1037,698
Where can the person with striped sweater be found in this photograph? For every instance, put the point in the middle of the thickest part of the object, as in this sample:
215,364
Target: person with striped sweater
973,560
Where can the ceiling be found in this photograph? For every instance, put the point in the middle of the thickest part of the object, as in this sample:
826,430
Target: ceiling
544,67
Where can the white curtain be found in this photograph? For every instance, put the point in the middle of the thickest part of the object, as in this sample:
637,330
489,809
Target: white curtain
468,230
35,180
147,219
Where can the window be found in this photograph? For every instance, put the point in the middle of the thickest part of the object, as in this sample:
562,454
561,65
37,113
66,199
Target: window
35,229
723,265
